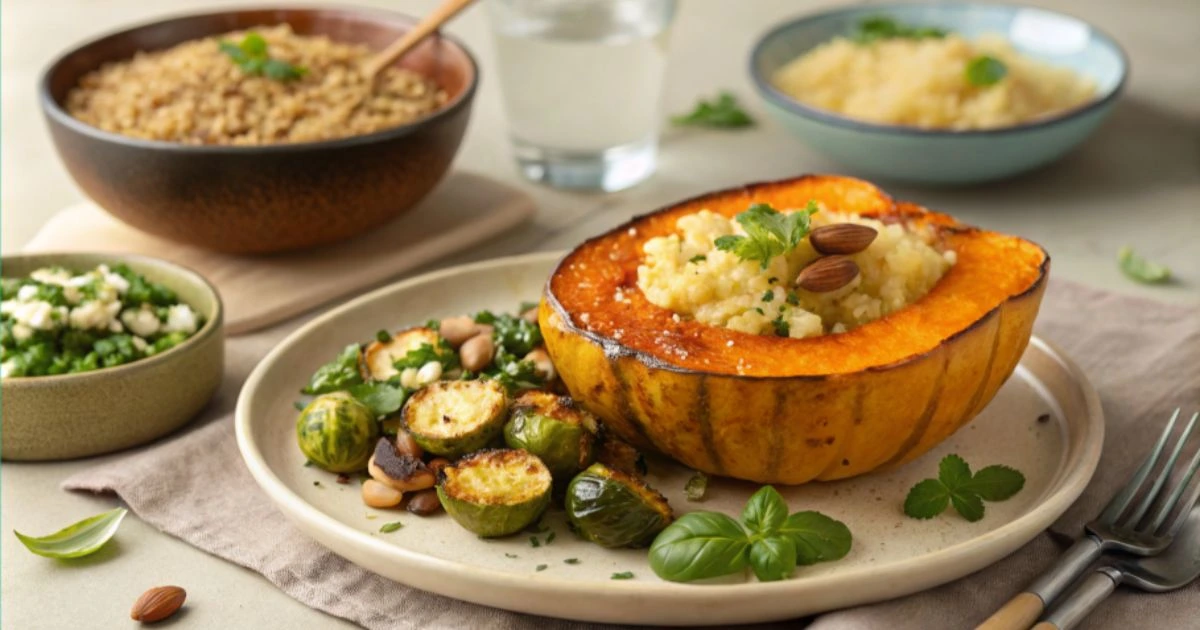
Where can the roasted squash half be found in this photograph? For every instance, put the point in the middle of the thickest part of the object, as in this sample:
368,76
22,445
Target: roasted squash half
780,410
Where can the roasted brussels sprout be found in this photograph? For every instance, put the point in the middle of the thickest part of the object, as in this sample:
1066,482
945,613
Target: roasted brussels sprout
562,435
379,357
495,492
615,509
453,418
337,433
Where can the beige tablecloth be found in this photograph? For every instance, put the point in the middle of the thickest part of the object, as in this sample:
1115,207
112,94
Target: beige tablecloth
1143,357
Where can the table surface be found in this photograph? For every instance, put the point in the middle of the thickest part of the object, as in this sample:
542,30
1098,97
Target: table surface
1136,182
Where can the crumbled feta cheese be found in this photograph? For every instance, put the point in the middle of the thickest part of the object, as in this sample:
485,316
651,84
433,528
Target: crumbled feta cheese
142,322
36,314
429,373
180,318
139,343
117,282
27,292
51,276
729,343
91,315
8,367
408,378
21,332
115,326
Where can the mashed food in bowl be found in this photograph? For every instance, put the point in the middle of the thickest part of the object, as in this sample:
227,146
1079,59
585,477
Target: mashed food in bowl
196,93
686,273
922,82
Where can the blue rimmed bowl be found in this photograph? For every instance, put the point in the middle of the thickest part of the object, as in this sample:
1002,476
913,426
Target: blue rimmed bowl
932,156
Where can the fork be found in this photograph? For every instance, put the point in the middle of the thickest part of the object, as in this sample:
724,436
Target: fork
1172,569
1114,530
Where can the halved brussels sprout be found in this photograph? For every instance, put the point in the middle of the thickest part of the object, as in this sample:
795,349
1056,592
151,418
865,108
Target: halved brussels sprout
615,509
561,434
453,418
337,433
379,356
495,492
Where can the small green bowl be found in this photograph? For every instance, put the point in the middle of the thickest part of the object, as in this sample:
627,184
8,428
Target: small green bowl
78,415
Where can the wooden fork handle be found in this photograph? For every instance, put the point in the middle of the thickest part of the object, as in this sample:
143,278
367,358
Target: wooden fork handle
1019,613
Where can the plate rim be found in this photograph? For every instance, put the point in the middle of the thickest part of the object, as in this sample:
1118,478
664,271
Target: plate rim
306,516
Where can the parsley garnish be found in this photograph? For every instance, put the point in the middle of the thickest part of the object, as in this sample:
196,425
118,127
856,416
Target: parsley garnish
515,334
879,27
985,70
955,485
571,561
696,487
426,353
624,575
388,528
721,113
510,555
793,299
1140,269
534,542
699,258
782,327
768,296
541,567
550,538
251,56
769,233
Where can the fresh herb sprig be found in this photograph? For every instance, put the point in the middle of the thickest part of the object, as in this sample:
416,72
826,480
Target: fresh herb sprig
1140,269
955,485
876,28
338,374
985,70
769,233
771,542
251,56
443,353
722,112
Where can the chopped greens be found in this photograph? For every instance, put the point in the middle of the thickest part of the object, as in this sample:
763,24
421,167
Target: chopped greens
515,334
1140,269
769,233
720,113
251,56
985,70
338,374
383,398
624,575
696,487
879,27
426,353
388,528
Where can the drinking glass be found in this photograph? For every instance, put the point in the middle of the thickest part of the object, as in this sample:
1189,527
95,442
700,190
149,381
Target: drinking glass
581,81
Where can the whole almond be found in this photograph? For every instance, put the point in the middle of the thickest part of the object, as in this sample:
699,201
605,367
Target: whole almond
826,274
158,603
842,238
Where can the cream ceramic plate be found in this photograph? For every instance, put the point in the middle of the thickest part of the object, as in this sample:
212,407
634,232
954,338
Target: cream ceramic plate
893,555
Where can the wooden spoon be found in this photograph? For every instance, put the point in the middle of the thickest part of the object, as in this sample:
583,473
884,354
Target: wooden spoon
423,29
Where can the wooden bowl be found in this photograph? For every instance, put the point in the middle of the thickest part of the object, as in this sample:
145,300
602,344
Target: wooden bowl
77,415
269,198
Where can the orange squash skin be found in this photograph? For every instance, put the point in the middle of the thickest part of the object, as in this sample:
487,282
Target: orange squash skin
788,411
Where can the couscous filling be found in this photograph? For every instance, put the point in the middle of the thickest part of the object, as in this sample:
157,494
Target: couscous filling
689,274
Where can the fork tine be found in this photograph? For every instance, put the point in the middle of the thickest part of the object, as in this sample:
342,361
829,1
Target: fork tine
1163,475
1173,499
1121,500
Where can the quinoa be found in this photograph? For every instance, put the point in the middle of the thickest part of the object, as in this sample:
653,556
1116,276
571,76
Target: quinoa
687,274
193,93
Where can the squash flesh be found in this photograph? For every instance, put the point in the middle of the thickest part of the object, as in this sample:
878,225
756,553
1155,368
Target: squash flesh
781,410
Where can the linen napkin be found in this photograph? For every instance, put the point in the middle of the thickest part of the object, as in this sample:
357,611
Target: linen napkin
260,291
1143,357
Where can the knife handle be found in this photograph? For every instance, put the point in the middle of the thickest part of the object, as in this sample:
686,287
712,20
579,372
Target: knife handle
1022,611
1094,589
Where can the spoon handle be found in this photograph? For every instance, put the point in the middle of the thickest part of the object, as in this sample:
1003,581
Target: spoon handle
1095,588
423,29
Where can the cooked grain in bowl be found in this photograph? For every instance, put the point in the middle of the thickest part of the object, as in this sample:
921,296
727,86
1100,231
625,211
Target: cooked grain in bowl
686,273
923,82
195,93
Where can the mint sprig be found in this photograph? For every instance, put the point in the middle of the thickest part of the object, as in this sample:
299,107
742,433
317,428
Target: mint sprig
771,543
769,232
955,485
251,56
985,70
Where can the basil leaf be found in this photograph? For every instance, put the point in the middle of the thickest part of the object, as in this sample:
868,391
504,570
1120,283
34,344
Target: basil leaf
765,512
773,558
985,70
817,537
995,483
1141,269
76,540
383,398
699,545
336,375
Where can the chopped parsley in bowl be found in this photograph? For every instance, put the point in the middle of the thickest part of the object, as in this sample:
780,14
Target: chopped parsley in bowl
62,321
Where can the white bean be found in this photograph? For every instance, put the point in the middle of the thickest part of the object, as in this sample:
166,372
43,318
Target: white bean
429,373
408,378
456,330
378,495
542,363
477,352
